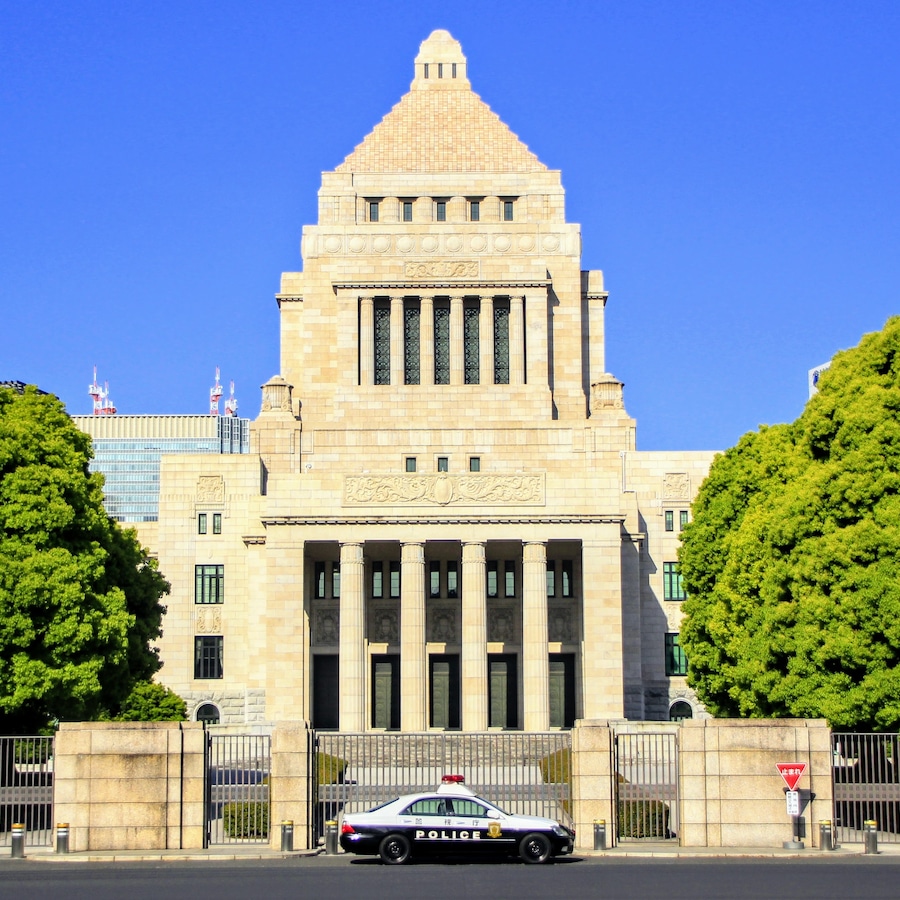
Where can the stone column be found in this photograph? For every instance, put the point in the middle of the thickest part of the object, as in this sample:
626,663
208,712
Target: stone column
397,342
517,340
536,324
457,368
486,340
426,340
352,639
535,654
601,656
366,341
413,668
474,639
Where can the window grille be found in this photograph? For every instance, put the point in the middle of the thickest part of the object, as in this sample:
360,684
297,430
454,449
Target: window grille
201,523
670,520
501,342
382,342
208,657
442,343
411,352
217,523
471,347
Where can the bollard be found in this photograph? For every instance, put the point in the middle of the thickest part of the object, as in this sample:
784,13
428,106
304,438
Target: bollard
599,834
870,836
18,841
826,838
331,837
287,836
62,837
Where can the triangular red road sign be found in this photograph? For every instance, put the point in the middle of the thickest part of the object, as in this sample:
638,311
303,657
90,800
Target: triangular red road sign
791,773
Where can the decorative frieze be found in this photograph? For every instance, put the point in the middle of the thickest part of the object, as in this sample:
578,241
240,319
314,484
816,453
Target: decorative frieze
386,243
442,624
501,624
326,626
384,625
444,490
676,486
560,624
210,489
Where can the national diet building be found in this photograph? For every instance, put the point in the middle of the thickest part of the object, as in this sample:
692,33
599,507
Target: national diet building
442,522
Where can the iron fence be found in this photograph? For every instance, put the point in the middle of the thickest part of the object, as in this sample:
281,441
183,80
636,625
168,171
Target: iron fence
865,772
647,786
526,774
238,767
26,789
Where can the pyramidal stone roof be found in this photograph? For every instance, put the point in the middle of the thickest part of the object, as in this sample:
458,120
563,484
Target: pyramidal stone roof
441,125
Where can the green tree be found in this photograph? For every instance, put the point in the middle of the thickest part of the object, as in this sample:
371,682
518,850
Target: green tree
79,597
152,702
792,561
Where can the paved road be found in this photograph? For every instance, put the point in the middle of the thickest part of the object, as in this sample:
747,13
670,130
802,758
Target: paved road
328,878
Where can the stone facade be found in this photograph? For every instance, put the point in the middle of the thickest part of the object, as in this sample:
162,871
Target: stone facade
443,521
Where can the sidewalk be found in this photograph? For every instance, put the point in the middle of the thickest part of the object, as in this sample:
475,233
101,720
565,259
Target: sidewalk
629,850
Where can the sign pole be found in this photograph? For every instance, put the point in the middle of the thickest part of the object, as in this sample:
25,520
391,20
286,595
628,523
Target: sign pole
791,773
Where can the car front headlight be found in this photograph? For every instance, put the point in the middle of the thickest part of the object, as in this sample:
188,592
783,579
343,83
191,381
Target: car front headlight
558,829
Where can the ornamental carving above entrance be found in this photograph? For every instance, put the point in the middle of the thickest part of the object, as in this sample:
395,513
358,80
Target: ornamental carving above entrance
444,490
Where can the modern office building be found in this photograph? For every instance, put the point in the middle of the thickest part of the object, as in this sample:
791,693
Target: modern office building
443,522
127,451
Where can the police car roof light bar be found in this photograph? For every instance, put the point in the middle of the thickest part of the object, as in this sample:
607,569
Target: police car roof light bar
453,779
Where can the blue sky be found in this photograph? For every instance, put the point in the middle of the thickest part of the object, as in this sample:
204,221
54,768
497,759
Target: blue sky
733,165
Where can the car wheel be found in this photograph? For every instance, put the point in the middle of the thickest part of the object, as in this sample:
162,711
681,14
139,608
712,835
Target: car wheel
534,848
394,849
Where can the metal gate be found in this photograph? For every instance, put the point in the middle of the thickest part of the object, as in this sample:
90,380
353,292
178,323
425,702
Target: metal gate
647,786
26,789
528,774
865,775
238,767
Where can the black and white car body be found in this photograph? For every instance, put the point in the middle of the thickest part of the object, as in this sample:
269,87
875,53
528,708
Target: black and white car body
451,820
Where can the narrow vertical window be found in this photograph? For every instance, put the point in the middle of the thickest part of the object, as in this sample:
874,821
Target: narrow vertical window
509,572
471,344
411,346
682,519
217,523
410,464
319,586
426,70
407,211
336,582
492,578
474,211
676,661
501,341
452,579
395,579
443,464
382,342
441,342
474,463
672,586
441,210
377,580
453,70
201,523
434,571
373,210
551,578
507,210
568,587
670,520
440,70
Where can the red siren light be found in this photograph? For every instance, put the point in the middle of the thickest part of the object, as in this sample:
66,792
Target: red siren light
453,779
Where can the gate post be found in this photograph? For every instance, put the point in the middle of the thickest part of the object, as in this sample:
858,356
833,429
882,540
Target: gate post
593,780
289,783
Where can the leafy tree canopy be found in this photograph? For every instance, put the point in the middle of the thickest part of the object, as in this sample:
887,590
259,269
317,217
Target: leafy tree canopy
792,561
152,702
79,597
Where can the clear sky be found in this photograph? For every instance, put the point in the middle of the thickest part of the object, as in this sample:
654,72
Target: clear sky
733,165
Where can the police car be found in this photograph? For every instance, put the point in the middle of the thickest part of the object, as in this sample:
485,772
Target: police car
451,820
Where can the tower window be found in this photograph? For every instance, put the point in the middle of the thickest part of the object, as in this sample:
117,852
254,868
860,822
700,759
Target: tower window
373,210
474,210
407,210
507,210
670,520
443,464
441,210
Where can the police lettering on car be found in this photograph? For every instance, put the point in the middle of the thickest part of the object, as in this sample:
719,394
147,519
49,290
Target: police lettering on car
451,819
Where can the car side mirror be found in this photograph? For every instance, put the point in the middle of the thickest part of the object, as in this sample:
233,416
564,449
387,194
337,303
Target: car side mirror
493,814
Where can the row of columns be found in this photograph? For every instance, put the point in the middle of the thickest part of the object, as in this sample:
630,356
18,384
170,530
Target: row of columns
426,340
473,662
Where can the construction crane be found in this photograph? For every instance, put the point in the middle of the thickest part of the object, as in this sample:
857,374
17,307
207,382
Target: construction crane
103,406
215,394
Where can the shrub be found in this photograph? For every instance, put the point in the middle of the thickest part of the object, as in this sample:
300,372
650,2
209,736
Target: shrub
246,819
643,819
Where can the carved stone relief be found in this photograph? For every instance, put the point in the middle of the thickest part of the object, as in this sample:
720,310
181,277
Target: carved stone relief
384,625
208,621
439,268
676,486
442,624
560,624
501,624
210,489
444,490
327,627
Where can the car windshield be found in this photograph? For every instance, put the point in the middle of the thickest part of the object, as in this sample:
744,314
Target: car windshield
382,805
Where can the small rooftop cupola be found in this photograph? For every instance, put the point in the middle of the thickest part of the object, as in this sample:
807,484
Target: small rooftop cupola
440,64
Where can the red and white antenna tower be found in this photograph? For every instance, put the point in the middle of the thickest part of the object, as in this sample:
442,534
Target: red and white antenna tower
103,406
215,394
231,403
